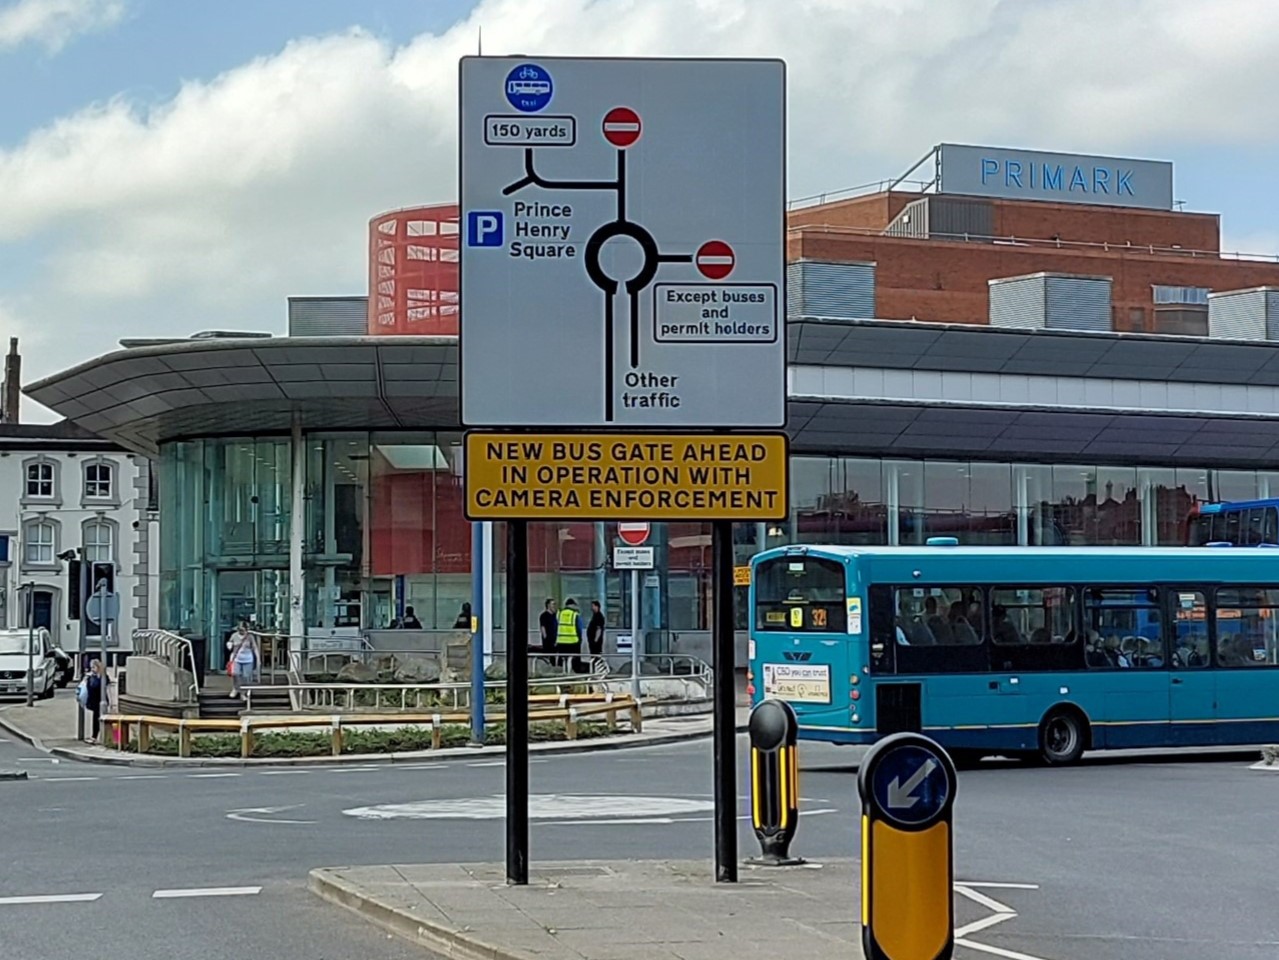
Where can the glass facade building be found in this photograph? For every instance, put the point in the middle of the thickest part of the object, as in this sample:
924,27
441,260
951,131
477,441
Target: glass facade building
384,529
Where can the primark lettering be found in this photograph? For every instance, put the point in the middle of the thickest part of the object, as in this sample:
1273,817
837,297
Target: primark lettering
1030,175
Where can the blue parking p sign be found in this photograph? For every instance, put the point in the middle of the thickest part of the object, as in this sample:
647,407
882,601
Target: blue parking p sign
484,228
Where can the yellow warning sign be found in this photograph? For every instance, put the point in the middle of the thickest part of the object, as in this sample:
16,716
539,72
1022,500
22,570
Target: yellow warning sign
742,575
595,476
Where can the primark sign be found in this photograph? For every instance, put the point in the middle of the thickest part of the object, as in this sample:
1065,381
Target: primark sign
1061,177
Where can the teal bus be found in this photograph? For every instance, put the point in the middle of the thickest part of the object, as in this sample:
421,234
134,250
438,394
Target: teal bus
1024,652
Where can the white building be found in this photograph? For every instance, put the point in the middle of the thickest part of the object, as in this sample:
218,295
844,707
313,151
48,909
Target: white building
65,492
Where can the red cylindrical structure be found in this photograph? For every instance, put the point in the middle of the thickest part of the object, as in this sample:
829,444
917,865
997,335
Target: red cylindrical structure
413,271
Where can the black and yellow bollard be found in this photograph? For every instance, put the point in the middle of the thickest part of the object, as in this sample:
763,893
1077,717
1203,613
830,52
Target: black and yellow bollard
774,732
907,787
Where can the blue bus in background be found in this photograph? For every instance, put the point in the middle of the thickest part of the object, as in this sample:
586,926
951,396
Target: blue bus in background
1027,652
1241,523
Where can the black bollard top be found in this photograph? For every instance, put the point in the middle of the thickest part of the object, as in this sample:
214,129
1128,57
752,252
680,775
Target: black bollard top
773,724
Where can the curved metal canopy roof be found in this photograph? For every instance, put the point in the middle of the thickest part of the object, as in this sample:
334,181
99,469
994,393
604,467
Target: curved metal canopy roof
143,396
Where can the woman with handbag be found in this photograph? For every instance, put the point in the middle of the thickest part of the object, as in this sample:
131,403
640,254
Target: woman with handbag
246,654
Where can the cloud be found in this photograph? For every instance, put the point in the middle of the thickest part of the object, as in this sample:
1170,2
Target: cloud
209,209
54,22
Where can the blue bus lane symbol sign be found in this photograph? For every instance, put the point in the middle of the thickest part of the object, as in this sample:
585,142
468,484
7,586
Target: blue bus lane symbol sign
529,88
911,785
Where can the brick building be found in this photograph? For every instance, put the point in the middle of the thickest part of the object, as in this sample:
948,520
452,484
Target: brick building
934,254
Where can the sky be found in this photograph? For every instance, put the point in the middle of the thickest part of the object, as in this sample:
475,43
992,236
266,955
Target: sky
171,166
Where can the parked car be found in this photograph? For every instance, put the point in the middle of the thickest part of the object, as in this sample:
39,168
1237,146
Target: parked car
13,663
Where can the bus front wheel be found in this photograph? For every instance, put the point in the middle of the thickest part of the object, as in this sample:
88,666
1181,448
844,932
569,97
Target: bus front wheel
1063,735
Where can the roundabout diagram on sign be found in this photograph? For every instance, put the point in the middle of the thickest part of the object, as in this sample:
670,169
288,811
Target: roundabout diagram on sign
611,218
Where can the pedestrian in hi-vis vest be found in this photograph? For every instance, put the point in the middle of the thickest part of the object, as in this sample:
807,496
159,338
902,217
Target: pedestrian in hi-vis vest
568,635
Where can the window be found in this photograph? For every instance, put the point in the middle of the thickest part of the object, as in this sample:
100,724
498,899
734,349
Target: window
1034,615
4,548
39,542
97,481
40,480
930,616
1123,628
99,542
1247,627
1190,619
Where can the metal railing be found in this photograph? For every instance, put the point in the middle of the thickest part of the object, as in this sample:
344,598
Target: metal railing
1082,245
174,650
861,190
339,696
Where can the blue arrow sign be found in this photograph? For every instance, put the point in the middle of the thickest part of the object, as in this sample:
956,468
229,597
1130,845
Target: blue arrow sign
911,784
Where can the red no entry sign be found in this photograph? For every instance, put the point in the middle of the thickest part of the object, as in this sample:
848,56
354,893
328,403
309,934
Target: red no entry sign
632,534
621,126
715,259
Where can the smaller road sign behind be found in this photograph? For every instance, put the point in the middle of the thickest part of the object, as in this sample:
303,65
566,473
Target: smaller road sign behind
633,534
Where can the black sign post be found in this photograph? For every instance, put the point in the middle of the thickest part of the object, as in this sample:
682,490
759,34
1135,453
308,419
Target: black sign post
907,786
516,702
774,733
724,661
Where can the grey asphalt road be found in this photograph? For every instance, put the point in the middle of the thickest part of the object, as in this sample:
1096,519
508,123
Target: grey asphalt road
1169,857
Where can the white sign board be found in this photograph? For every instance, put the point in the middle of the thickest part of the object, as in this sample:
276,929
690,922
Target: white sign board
624,644
623,243
632,558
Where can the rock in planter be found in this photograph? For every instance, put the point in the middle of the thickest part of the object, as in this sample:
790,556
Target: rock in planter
418,671
357,673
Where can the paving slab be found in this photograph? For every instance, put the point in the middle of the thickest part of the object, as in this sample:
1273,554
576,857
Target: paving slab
608,910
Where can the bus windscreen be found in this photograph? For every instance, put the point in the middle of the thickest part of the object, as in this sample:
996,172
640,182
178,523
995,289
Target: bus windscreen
800,594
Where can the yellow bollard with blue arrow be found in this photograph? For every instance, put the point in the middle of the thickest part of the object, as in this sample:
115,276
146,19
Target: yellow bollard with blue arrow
907,786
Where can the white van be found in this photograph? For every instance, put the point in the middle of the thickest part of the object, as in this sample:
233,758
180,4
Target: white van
13,663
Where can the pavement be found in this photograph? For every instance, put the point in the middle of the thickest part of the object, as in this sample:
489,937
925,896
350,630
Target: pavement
50,726
607,910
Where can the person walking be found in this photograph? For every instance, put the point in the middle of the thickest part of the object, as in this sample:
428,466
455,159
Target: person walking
94,688
548,625
568,634
246,654
595,630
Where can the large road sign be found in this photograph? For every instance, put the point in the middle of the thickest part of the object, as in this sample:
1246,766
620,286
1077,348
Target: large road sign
594,256
907,786
652,477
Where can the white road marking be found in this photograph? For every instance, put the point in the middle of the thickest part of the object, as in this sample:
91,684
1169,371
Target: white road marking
997,951
488,763
983,923
144,776
998,886
54,898
68,779
210,776
37,760
206,892
242,814
985,901
540,807
283,773
419,766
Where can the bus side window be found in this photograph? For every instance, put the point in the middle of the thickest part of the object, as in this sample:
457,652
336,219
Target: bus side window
1227,527
1190,629
1270,531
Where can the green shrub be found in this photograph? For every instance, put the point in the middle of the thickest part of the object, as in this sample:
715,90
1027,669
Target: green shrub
354,740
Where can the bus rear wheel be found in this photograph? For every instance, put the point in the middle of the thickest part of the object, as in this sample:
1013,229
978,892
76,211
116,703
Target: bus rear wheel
1062,737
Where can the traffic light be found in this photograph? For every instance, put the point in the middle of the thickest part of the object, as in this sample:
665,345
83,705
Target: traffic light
99,580
75,595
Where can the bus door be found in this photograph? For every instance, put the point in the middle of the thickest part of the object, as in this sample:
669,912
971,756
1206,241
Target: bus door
801,636
1192,692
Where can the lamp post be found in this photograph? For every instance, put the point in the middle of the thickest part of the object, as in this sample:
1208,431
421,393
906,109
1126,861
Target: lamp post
31,643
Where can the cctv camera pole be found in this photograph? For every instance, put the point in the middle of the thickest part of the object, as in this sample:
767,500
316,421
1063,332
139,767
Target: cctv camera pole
31,641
